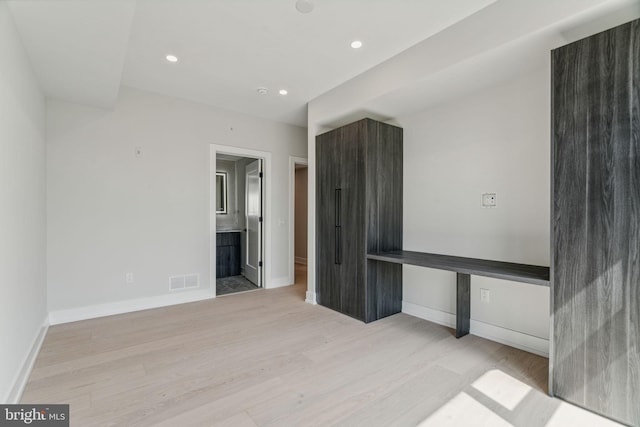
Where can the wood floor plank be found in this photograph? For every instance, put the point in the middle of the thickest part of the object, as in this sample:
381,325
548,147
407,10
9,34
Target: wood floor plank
266,358
238,420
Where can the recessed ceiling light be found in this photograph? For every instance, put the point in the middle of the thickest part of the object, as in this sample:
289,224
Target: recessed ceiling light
304,6
356,44
172,58
262,90
283,92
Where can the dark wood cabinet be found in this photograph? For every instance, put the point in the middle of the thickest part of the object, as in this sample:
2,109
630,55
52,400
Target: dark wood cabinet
359,210
227,254
595,358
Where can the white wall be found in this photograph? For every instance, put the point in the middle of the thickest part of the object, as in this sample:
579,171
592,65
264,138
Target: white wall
22,210
110,212
496,140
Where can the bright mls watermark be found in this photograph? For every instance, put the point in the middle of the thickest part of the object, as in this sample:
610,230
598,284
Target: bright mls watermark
34,415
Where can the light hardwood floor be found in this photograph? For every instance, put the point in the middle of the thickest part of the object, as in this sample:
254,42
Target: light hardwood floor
266,358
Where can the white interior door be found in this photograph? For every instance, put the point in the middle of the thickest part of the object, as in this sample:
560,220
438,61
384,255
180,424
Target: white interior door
253,266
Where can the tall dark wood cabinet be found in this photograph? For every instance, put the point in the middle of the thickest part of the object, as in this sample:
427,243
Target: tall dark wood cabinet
359,210
595,358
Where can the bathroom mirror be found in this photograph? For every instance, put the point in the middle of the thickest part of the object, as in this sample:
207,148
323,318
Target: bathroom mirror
221,193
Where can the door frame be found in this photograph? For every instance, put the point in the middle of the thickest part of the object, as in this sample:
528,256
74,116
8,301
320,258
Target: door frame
216,149
293,161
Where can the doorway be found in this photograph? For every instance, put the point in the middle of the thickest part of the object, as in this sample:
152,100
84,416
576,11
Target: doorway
239,237
298,203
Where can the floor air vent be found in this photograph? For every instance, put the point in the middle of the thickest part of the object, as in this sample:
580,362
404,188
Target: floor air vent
189,281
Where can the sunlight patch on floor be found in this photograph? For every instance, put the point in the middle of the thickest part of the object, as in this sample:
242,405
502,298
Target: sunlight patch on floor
502,388
463,410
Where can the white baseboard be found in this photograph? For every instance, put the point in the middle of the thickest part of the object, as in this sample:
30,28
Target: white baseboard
426,313
526,342
516,339
109,309
300,260
311,298
20,381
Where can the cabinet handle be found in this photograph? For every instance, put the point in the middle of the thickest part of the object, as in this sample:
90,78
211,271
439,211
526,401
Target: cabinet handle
338,249
338,229
338,207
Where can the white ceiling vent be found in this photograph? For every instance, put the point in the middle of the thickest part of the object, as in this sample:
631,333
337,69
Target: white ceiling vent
188,281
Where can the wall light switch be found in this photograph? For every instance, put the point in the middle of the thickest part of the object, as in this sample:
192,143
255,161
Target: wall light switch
129,278
137,151
485,295
489,200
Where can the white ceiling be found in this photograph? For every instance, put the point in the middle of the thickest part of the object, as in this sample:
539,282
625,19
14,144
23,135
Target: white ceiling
84,50
77,48
504,40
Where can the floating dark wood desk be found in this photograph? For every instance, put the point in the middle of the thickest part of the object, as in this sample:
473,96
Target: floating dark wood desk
465,267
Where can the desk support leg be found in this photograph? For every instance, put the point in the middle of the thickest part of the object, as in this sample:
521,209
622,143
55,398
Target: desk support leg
463,304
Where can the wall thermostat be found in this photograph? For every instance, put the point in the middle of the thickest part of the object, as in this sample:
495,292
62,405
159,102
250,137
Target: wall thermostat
488,200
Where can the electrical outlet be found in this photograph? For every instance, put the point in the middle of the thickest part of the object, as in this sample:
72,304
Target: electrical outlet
129,278
485,295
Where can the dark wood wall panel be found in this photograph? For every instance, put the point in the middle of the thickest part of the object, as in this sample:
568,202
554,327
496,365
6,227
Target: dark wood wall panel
384,213
327,170
595,214
633,383
384,293
384,183
351,149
